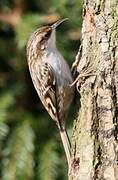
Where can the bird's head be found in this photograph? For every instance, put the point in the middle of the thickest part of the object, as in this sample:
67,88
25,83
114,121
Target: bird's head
44,37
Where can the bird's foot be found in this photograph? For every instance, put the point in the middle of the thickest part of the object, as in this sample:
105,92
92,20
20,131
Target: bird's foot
85,73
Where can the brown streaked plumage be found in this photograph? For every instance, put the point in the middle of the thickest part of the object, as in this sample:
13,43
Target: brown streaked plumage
51,77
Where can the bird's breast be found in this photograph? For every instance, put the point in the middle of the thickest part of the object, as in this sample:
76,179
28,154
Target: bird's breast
59,65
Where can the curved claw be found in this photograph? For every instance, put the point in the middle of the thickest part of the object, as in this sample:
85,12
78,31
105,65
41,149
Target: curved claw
83,75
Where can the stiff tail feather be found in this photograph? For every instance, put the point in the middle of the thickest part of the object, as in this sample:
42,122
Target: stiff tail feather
66,145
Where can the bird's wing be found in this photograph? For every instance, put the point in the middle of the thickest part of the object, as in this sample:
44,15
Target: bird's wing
47,88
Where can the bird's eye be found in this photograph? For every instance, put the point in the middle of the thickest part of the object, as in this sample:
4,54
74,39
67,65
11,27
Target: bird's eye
47,35
41,43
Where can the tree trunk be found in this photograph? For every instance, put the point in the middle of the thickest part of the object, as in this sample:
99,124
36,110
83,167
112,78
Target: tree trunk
94,140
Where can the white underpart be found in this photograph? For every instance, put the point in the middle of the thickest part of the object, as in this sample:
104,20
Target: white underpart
56,60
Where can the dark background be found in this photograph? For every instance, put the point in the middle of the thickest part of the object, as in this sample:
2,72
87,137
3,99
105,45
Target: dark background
30,146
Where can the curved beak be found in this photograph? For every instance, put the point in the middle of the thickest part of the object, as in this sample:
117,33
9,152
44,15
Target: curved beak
57,23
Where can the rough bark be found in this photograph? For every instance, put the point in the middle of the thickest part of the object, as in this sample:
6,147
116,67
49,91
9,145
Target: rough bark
94,141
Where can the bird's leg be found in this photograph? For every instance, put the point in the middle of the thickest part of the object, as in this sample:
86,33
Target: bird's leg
83,74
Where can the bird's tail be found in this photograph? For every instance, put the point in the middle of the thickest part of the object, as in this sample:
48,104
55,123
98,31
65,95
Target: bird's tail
66,145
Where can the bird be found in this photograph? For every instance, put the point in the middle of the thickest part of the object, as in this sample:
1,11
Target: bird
51,77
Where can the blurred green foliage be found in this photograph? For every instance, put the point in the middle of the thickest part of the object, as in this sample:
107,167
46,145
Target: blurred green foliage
30,146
